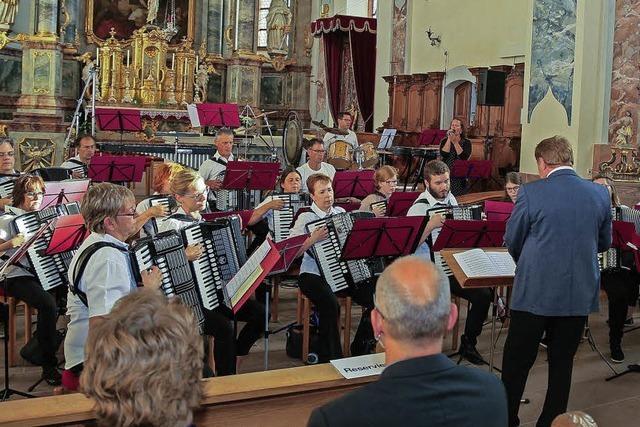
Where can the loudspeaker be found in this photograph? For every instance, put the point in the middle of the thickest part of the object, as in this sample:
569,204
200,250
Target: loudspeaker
491,87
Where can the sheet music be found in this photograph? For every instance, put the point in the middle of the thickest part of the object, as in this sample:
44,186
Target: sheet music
478,263
248,273
387,139
192,110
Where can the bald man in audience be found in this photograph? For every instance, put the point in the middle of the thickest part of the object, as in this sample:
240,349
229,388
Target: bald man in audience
420,385
574,419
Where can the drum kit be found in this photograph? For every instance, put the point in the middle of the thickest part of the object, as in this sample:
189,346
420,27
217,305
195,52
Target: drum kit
341,154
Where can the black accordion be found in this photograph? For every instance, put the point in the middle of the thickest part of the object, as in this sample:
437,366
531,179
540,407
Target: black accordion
166,250
224,252
235,200
338,274
281,221
51,270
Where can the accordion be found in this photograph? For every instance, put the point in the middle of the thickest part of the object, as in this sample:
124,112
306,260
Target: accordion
224,252
166,250
51,270
6,188
281,220
382,205
465,213
235,200
168,202
338,274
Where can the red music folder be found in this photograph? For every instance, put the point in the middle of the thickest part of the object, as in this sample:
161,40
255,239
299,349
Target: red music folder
69,233
251,274
251,175
400,202
117,168
218,115
245,216
432,136
498,211
59,192
375,237
358,184
470,234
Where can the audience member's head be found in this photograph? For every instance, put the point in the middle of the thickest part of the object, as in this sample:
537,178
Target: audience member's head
609,184
413,309
162,175
552,153
110,209
512,183
148,364
574,419
437,178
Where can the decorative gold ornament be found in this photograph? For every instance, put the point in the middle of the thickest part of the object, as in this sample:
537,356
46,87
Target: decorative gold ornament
36,153
3,130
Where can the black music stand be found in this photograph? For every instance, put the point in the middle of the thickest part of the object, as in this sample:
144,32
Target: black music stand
117,169
68,234
383,237
358,184
7,392
119,120
470,234
400,202
57,193
218,115
624,237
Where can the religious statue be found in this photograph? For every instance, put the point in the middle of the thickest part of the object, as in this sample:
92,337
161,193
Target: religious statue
278,26
8,11
624,132
152,14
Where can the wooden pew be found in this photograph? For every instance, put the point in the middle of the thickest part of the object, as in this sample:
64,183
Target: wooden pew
282,397
466,199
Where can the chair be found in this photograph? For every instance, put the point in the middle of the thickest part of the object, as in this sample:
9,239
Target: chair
303,313
13,304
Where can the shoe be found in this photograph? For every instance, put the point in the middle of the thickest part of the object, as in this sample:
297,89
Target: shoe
617,356
51,375
544,342
628,322
468,351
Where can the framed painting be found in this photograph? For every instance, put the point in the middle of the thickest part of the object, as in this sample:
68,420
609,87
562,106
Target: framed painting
126,16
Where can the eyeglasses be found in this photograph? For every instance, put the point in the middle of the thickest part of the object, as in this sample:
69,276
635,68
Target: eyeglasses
196,196
512,189
34,194
391,182
132,213
319,151
8,154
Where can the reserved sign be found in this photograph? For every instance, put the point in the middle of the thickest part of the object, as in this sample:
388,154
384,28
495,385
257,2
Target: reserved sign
360,366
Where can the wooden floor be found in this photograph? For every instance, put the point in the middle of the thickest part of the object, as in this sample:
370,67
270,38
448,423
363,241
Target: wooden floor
612,404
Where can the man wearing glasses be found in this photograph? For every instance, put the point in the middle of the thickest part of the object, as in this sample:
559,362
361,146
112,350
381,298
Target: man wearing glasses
100,272
315,153
420,385
79,165
213,169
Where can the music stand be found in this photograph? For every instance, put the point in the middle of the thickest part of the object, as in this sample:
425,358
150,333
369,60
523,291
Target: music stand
498,211
383,237
400,202
250,176
117,168
358,184
288,249
219,115
432,136
470,234
68,234
245,216
472,170
57,193
119,120
386,140
348,206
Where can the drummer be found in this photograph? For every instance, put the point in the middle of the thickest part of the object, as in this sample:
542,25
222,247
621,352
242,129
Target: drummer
315,155
345,119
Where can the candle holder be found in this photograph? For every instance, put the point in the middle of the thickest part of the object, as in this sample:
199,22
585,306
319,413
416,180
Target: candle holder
128,91
112,88
171,87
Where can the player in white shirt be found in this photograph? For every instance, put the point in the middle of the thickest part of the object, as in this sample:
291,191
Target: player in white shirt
315,153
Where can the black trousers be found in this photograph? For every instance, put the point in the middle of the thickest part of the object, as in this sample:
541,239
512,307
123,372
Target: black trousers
480,300
520,351
621,287
219,323
29,290
319,292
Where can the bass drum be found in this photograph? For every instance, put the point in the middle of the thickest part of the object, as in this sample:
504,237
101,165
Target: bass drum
292,137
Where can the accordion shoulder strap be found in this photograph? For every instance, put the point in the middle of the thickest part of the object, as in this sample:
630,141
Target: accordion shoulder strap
83,260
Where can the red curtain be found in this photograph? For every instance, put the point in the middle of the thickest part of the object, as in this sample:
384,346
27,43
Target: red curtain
361,33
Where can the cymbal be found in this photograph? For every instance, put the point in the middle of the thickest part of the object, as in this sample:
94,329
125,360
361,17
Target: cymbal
328,129
266,113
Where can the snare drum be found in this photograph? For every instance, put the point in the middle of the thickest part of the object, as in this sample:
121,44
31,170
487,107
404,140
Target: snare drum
369,155
340,155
